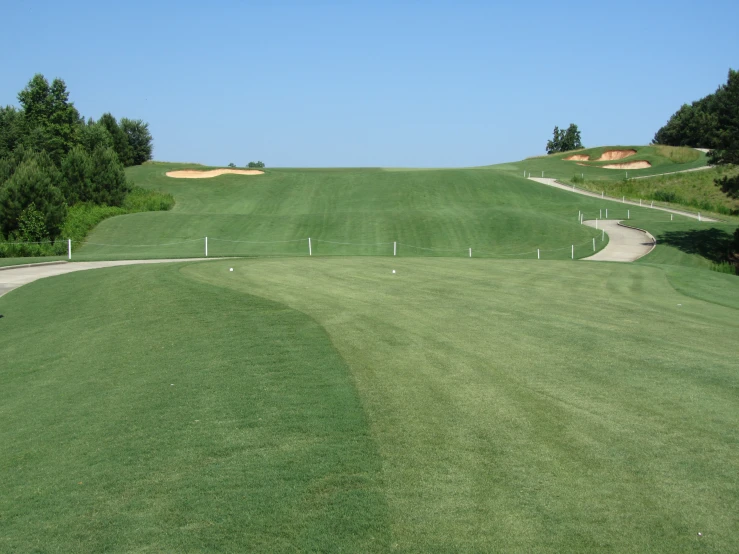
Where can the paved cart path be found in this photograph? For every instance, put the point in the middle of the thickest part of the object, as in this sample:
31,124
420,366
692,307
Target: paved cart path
557,184
14,277
625,244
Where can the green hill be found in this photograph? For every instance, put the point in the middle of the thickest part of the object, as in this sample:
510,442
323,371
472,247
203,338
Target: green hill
662,159
349,212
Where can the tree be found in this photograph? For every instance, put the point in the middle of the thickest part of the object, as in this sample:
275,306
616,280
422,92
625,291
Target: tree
563,141
31,184
93,135
11,129
120,140
139,140
726,150
108,180
255,165
52,122
77,170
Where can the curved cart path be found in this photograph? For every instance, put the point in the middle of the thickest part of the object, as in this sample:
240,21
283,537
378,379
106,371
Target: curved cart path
625,244
556,184
14,277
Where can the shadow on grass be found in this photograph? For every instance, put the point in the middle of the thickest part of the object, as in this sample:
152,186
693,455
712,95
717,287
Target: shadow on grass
713,244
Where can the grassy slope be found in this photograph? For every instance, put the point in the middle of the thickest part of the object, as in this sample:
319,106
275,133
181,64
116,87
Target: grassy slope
514,405
161,414
449,210
556,167
696,190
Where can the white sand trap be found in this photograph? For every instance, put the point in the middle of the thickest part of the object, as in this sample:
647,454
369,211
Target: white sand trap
628,165
611,155
578,158
195,174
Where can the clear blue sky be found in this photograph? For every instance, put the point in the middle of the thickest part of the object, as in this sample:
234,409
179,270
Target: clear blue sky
375,83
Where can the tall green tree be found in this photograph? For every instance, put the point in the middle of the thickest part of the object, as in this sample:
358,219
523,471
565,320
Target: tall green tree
139,140
93,135
52,122
120,140
108,179
726,141
564,140
11,129
77,170
31,184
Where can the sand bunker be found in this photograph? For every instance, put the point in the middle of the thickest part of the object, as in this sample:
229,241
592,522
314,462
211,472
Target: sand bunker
578,158
195,174
628,165
615,155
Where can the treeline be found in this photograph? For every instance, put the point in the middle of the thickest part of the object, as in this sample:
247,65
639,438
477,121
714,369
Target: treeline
51,159
704,123
711,122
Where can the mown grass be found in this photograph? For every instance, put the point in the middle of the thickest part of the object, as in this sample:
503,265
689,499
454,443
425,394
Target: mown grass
153,413
457,405
349,212
688,242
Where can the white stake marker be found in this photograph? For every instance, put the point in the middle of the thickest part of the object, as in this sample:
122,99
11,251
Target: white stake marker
573,251
538,254
206,247
310,248
395,248
69,249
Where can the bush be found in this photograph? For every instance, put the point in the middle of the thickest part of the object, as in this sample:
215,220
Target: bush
143,200
31,225
30,184
255,165
666,196
82,218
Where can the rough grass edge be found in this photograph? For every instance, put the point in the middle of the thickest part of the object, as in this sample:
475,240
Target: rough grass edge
82,218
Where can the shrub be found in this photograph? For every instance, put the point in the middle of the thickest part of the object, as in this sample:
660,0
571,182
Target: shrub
31,184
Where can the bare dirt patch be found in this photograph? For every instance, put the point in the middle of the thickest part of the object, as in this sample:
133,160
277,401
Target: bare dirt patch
615,155
578,158
628,165
195,174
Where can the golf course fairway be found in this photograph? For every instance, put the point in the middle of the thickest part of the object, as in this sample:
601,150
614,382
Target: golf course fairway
298,404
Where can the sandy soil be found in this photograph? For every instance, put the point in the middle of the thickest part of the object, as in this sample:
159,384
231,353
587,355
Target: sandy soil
628,165
195,174
615,155
578,158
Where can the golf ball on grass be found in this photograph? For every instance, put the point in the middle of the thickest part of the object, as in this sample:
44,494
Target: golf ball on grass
230,268
393,271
